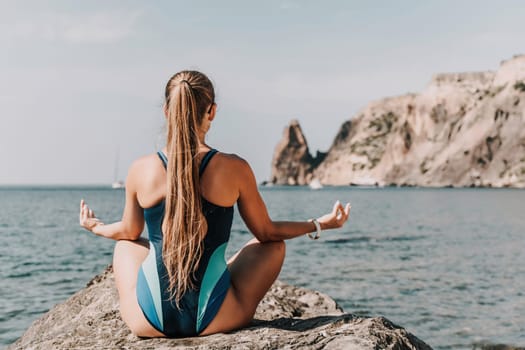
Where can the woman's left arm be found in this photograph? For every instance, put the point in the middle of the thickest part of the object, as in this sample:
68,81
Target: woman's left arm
132,223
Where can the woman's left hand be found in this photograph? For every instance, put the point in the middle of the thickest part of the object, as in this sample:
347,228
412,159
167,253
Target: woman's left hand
337,217
87,218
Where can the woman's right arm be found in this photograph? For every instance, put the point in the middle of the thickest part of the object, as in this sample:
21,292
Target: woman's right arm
254,213
132,223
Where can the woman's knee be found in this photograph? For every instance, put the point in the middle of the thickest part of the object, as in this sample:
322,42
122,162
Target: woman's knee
117,251
120,252
121,246
130,248
280,248
277,249
138,329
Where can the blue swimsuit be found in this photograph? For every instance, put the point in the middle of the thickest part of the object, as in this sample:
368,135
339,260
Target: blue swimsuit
198,306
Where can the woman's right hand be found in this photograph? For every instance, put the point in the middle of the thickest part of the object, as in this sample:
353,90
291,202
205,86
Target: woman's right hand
336,218
87,218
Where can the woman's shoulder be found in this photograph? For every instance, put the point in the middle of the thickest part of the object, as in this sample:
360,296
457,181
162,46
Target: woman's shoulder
147,179
232,161
145,169
145,162
224,178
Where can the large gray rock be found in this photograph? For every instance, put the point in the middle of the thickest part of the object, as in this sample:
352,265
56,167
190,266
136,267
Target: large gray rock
463,129
287,318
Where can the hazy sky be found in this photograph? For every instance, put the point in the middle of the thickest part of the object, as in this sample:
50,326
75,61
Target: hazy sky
83,80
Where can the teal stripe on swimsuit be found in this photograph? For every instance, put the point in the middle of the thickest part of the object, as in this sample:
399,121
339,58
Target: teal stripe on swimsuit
215,269
146,301
149,267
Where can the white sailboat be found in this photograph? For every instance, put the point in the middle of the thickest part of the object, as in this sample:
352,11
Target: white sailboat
117,184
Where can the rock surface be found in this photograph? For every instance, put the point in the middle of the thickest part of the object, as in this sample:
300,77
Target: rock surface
287,318
464,129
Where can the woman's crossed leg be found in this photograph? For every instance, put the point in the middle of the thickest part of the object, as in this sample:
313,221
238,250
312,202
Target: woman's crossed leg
253,270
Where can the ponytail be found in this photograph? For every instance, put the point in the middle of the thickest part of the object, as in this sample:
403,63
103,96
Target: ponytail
188,94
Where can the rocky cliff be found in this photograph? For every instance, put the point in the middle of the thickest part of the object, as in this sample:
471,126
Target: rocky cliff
464,129
292,162
287,318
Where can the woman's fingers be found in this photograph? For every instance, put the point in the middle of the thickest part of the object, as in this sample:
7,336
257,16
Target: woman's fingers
83,207
87,212
347,210
337,211
82,215
342,213
341,210
87,216
336,207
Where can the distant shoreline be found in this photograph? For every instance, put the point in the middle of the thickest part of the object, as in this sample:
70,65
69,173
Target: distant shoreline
400,187
262,186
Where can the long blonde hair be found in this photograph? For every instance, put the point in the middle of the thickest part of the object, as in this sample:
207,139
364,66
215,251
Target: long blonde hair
189,96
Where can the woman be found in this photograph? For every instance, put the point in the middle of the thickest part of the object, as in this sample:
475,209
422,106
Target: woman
178,283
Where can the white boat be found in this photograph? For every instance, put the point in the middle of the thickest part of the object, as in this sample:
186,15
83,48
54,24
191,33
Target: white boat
315,184
365,181
117,184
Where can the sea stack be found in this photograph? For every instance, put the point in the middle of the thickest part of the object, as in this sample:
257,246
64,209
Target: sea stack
463,129
292,162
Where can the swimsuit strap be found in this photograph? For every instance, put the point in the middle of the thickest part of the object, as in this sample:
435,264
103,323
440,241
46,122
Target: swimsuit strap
164,159
205,160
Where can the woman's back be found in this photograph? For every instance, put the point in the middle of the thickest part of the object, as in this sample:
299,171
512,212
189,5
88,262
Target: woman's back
218,184
211,279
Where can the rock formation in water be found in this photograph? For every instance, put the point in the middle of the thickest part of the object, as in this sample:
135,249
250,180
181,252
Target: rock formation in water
292,162
288,317
464,129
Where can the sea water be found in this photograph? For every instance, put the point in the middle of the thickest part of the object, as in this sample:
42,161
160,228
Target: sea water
446,264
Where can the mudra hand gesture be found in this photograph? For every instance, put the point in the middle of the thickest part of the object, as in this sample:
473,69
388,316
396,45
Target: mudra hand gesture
87,218
336,218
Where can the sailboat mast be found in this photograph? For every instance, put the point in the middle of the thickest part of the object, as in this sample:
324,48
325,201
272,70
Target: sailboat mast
116,182
115,172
